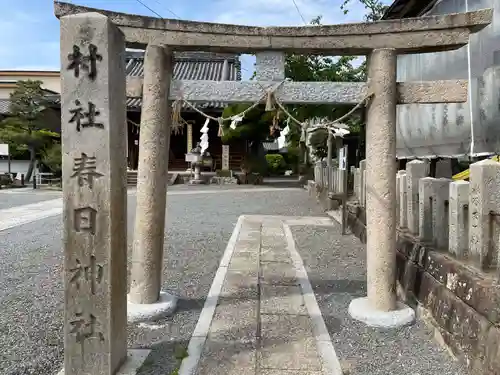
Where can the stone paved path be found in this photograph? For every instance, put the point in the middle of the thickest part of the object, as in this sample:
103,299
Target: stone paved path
261,316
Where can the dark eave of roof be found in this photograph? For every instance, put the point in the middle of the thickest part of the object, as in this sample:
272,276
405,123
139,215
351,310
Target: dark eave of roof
407,8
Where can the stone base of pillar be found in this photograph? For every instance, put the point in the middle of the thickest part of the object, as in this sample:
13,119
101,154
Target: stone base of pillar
143,312
135,360
197,182
360,309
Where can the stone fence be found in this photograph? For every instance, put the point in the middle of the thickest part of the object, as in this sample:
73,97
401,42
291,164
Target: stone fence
459,217
327,185
329,178
448,251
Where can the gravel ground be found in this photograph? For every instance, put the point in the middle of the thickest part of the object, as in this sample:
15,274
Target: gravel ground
12,198
31,294
199,226
336,268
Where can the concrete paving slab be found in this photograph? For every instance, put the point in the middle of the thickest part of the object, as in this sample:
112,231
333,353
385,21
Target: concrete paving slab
288,343
240,284
248,260
282,299
275,254
278,274
227,358
235,320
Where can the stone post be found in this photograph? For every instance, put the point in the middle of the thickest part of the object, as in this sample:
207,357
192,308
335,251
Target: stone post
459,219
379,309
362,173
440,212
484,212
425,195
355,187
330,149
331,173
189,136
147,256
415,170
398,196
380,183
403,201
434,196
225,157
340,172
93,113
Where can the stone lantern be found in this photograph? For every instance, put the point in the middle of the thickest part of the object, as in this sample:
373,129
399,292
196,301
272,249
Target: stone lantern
197,158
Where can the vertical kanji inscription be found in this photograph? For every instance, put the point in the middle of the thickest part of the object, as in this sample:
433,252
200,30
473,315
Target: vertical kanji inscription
85,327
85,119
91,272
84,169
85,220
79,61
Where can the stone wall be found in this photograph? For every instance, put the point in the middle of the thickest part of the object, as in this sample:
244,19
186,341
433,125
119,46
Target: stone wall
447,255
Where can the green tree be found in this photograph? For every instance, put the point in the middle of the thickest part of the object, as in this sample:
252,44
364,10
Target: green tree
276,163
375,9
52,158
25,129
255,127
308,68
339,69
319,143
314,68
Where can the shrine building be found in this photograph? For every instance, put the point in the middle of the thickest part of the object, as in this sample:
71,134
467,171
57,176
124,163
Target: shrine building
188,66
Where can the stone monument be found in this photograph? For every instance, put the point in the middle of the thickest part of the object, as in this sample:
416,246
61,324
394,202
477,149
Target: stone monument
93,106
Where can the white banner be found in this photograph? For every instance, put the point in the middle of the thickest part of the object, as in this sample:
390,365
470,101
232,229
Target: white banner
4,149
343,158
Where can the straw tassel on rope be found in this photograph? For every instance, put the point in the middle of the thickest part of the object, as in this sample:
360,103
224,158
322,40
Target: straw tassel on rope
270,101
176,116
220,133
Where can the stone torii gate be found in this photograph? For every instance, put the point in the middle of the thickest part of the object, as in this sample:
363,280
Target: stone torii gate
94,89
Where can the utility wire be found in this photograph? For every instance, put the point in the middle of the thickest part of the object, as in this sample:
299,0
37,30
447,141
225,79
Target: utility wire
299,12
155,12
168,10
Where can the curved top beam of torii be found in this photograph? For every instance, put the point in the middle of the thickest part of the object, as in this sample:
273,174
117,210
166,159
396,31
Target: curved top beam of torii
410,35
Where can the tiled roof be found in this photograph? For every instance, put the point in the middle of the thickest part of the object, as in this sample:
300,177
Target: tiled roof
188,65
5,103
407,8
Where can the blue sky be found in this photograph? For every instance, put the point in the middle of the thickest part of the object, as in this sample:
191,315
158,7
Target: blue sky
30,31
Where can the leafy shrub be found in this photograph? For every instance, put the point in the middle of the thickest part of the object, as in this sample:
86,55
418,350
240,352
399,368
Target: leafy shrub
5,179
223,173
254,164
52,158
292,158
276,163
319,143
